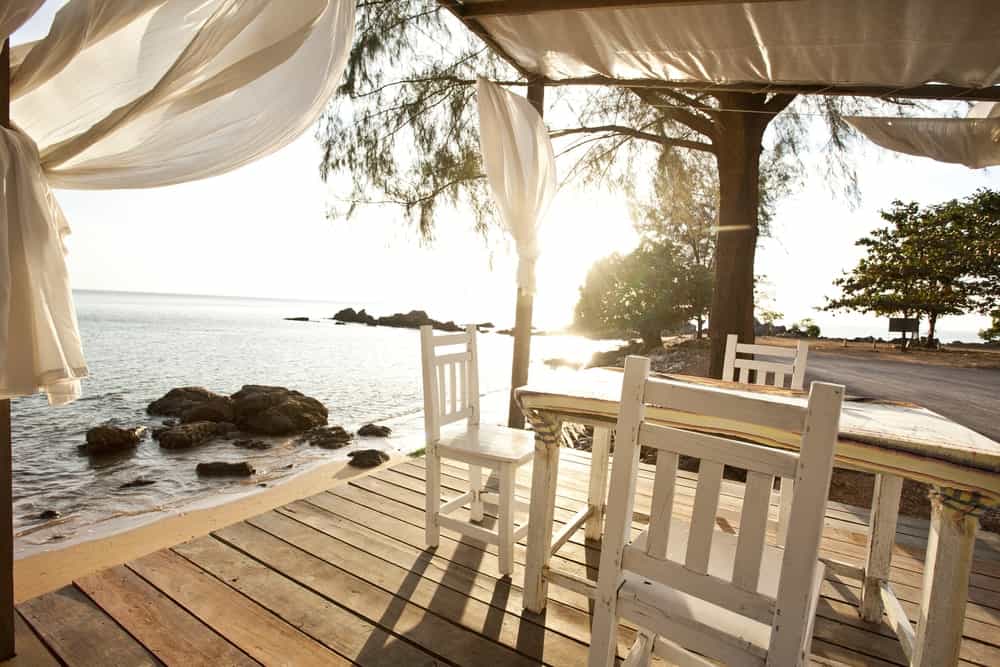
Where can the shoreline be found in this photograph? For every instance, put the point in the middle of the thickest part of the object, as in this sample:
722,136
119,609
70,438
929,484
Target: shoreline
47,571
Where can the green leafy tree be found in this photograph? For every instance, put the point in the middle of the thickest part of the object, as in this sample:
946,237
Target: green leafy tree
643,292
932,262
680,217
404,132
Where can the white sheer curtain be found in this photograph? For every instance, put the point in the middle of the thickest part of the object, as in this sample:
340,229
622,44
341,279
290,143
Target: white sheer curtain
973,141
520,167
136,94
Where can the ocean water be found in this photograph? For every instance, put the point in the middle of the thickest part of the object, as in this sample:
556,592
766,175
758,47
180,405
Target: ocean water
139,346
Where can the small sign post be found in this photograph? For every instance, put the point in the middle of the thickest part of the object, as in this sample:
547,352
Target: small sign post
905,325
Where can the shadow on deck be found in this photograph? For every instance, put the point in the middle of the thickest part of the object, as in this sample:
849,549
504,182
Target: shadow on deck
342,577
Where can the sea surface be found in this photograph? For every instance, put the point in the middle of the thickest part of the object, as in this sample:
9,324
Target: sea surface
139,346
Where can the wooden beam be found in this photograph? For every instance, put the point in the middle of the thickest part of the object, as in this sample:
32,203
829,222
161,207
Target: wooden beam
6,469
525,305
520,7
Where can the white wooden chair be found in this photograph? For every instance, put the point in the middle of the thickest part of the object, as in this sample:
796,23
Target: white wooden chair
691,588
757,371
451,394
794,370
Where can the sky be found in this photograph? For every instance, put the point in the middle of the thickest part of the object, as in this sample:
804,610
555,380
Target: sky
263,231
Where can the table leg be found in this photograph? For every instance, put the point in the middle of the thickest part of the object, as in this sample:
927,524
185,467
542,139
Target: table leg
881,538
597,496
544,477
954,521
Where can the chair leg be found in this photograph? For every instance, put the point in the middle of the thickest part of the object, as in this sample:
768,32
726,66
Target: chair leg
641,651
603,634
433,530
505,527
476,487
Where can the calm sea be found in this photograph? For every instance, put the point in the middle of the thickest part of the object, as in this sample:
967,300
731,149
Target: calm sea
139,346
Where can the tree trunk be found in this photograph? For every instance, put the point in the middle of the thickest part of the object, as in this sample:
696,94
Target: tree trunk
738,155
701,327
931,327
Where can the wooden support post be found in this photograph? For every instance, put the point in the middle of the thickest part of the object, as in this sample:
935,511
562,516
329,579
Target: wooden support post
6,471
881,538
544,477
946,582
597,496
525,304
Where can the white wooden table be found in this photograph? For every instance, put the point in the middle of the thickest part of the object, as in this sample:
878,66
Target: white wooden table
893,440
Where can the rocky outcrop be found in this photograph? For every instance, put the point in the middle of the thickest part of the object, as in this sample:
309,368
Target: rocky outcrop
186,436
375,431
218,409
328,437
359,317
411,320
225,469
178,401
276,410
414,320
108,439
367,458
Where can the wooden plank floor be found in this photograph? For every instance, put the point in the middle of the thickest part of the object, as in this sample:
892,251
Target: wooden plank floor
342,578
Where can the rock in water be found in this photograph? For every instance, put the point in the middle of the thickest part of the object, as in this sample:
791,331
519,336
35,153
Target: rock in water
296,319
328,437
178,401
108,439
219,409
186,436
375,431
367,458
225,469
48,515
252,444
137,482
276,410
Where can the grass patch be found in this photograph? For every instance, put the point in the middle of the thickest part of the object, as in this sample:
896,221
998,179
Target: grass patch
418,453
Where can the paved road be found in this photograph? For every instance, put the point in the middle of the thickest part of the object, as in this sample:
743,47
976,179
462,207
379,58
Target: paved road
969,396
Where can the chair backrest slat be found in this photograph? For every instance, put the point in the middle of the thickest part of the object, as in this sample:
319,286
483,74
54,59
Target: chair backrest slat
753,530
661,509
706,504
738,369
697,570
450,379
722,405
715,448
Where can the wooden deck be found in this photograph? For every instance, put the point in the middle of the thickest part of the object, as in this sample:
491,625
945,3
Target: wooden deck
342,578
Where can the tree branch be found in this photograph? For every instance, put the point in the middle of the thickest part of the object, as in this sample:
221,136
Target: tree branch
638,134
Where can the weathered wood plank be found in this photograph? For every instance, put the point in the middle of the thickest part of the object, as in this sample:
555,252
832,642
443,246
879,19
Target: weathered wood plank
255,630
172,634
373,603
77,631
501,624
340,629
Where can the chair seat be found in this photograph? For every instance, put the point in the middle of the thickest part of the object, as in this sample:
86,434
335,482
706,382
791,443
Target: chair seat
484,444
692,622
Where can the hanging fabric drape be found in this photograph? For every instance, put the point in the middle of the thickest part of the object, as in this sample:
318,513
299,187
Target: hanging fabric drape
136,94
844,42
973,141
520,167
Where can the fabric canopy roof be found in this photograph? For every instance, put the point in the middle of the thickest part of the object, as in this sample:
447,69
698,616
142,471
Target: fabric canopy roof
819,43
520,167
973,141
135,94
